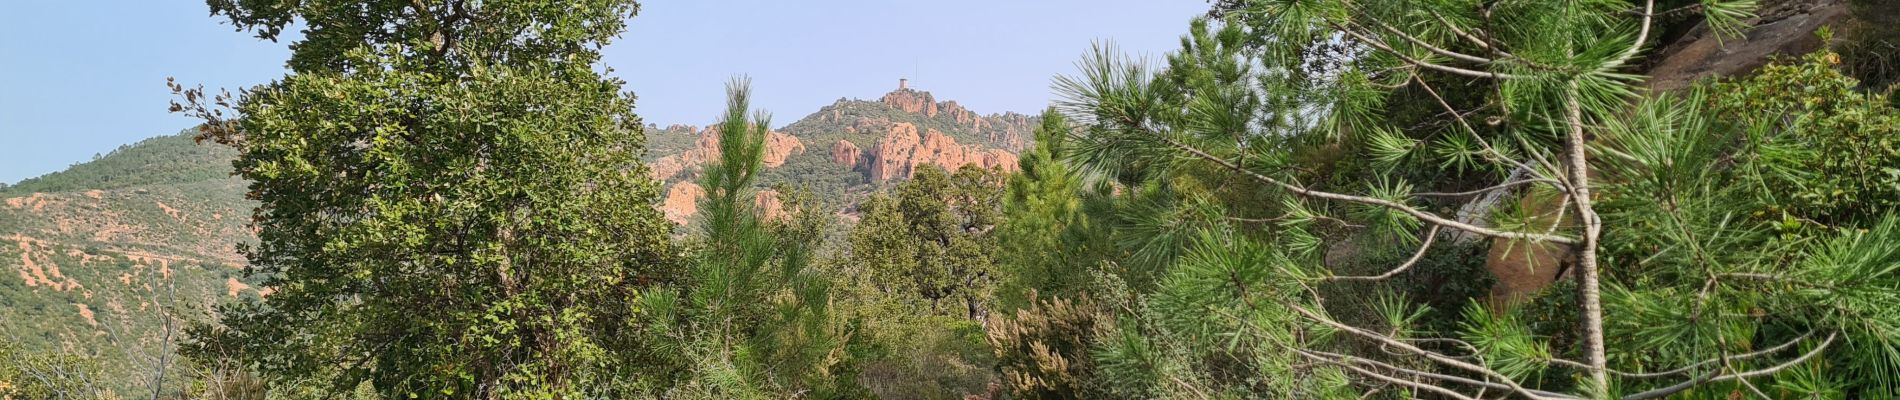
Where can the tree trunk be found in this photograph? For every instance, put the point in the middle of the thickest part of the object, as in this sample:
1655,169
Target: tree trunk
1587,248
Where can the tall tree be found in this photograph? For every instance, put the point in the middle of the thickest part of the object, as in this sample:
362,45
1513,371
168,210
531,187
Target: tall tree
921,272
759,323
930,241
452,202
1047,243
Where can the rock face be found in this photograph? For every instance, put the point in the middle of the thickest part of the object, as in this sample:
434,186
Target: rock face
769,205
1006,130
778,147
1784,28
911,101
846,154
682,201
863,143
902,149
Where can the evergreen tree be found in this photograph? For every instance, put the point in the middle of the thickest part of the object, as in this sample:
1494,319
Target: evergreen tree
1047,244
452,202
759,323
922,270
1661,206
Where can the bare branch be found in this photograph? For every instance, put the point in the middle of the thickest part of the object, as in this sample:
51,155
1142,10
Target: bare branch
1743,356
1434,356
1316,354
1428,217
1430,236
1391,379
1642,35
1421,63
1711,377
1467,35
1505,185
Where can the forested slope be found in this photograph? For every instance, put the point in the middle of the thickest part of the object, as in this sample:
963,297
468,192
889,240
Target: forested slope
1309,199
103,257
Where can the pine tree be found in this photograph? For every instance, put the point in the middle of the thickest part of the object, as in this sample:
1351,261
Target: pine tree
1047,244
1681,286
759,323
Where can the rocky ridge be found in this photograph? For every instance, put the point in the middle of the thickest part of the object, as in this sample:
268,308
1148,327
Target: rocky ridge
899,152
869,143
778,147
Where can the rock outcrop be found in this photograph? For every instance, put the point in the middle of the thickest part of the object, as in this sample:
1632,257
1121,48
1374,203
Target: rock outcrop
845,153
1006,131
682,201
911,101
1784,28
902,149
778,147
770,207
883,140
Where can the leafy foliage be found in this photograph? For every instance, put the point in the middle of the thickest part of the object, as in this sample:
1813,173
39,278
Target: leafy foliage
919,272
1832,151
930,240
441,165
37,375
1757,267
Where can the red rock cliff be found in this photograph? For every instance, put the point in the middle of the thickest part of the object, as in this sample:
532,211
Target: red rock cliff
903,149
846,154
778,147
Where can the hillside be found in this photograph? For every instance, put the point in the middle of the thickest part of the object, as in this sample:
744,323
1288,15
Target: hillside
851,147
105,250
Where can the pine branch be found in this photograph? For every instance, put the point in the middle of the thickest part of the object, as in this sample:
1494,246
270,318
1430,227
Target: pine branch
1421,63
1685,369
1500,186
1481,43
1395,380
1428,46
1429,217
1428,354
1711,377
1480,138
1337,358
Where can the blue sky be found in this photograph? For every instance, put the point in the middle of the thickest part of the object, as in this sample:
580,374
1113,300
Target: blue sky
83,77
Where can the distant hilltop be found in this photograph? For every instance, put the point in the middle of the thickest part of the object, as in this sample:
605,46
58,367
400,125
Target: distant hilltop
849,147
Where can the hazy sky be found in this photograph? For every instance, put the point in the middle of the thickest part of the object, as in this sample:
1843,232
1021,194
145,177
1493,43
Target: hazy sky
83,77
